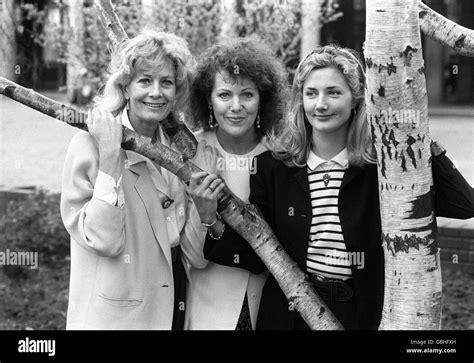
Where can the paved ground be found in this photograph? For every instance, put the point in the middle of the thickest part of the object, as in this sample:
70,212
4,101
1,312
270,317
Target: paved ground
32,147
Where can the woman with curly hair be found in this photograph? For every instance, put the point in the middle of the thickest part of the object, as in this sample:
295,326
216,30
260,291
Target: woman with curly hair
318,190
238,98
134,231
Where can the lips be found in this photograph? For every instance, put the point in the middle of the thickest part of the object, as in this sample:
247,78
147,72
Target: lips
235,119
322,117
155,106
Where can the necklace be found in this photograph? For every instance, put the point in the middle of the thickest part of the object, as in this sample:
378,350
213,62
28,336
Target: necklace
327,176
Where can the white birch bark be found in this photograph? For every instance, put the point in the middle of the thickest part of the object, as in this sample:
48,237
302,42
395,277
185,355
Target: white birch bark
7,39
75,46
396,100
148,10
111,22
229,17
310,26
443,30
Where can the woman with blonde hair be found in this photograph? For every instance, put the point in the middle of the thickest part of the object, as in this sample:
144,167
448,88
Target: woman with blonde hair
134,231
318,190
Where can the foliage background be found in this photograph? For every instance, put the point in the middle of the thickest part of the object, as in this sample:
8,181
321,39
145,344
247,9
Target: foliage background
201,23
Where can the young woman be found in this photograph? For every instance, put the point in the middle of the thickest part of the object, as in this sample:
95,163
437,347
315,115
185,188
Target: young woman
238,97
318,190
133,229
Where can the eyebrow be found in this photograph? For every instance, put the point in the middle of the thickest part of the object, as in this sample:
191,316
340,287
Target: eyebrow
330,87
245,89
151,76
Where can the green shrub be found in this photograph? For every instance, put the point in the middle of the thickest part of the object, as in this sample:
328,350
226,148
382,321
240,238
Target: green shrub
34,225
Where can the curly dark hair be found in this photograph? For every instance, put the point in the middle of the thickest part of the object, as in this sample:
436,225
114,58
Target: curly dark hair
256,61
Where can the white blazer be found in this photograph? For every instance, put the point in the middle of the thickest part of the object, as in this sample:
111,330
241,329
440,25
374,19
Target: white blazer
216,293
121,267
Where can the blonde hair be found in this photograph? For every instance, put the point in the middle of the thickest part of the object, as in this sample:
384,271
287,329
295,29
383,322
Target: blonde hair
148,51
293,144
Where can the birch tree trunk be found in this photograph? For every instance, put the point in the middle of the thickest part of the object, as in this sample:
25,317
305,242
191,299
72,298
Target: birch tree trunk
397,108
243,218
310,26
7,39
75,47
443,30
148,10
228,16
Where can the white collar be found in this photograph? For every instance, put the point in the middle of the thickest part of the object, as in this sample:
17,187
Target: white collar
314,161
126,121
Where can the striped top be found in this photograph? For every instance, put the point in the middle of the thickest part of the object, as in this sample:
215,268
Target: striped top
327,255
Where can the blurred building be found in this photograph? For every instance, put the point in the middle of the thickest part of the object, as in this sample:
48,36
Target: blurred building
23,57
54,74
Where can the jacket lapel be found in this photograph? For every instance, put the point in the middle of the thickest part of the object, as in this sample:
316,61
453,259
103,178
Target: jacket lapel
302,199
136,162
144,186
301,177
344,215
349,175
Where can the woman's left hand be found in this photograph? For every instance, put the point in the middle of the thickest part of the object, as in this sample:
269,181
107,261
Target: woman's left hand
204,189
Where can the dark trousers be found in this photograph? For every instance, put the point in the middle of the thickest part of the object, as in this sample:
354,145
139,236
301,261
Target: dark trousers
179,278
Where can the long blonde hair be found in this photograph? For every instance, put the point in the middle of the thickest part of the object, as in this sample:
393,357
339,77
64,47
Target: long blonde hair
293,144
148,51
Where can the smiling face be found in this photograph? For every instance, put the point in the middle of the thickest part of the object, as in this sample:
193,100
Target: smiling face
235,102
327,101
151,97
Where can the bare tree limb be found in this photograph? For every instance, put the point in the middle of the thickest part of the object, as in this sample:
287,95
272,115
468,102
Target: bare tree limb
445,31
242,217
111,22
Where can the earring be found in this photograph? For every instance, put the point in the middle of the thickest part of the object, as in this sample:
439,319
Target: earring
353,113
257,122
127,105
211,118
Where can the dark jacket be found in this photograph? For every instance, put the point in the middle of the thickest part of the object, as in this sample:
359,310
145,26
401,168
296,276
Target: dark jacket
282,194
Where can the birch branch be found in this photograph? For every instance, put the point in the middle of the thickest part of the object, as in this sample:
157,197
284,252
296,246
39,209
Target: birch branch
445,31
111,22
242,217
177,132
